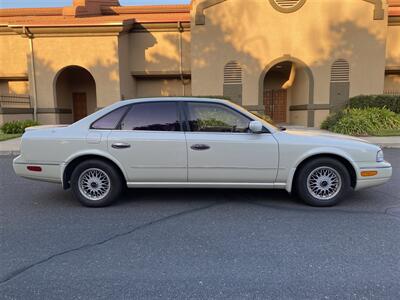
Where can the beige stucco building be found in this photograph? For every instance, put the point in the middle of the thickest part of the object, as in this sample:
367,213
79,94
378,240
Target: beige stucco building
295,60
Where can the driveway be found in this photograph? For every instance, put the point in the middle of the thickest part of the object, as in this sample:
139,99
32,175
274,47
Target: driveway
195,244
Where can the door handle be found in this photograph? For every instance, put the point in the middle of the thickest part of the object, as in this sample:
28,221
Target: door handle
120,145
200,147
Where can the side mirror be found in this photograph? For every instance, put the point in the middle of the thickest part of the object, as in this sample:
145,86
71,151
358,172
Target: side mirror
256,127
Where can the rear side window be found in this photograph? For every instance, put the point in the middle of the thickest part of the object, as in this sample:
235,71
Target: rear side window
153,116
110,120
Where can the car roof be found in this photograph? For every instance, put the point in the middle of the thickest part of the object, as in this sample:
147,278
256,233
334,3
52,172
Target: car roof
178,99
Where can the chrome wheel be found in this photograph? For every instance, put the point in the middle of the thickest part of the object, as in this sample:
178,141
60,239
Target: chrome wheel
94,184
324,183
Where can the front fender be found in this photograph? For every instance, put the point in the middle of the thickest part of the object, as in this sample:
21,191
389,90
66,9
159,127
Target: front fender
316,152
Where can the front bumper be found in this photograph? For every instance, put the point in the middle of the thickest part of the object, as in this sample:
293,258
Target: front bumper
50,172
384,173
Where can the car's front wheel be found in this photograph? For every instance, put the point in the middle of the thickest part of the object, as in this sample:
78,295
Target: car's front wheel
96,183
323,182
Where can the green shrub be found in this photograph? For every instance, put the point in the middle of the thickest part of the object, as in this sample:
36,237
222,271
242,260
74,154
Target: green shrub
17,127
361,122
332,120
391,102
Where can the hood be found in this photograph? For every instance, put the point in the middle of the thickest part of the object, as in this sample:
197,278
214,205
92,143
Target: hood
327,134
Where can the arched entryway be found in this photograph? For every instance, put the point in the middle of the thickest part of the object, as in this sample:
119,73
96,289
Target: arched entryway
286,92
75,90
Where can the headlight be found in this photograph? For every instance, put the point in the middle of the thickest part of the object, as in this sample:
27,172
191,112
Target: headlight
379,156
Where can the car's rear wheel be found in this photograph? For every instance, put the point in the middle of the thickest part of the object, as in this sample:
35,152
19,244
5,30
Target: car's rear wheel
96,183
323,182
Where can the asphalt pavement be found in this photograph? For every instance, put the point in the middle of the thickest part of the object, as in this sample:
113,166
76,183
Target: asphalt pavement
197,244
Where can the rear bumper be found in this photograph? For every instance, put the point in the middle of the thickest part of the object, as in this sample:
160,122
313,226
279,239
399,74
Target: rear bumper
384,173
50,172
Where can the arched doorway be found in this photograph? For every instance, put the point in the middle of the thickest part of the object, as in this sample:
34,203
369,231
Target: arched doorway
75,90
286,92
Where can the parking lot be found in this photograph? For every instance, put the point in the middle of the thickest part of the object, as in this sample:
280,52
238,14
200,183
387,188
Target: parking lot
197,244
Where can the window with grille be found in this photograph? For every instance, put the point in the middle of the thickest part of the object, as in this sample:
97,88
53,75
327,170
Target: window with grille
233,73
340,71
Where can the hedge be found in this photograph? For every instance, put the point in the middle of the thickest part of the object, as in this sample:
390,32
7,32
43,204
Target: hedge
362,121
17,127
391,102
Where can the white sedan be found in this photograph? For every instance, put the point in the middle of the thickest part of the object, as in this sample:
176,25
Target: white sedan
195,143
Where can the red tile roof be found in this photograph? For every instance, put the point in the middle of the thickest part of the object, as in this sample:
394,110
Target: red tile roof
55,17
394,8
112,14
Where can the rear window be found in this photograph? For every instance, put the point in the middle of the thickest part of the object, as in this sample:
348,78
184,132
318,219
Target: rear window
152,116
110,121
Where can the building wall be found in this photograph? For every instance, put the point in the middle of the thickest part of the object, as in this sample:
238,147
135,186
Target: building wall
97,54
127,81
19,87
149,87
317,34
155,56
158,51
393,47
13,54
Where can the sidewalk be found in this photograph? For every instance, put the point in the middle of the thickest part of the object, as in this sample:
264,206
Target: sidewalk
11,147
384,141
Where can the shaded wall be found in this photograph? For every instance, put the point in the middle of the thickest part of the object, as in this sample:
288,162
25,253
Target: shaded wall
97,54
158,51
393,47
13,54
317,34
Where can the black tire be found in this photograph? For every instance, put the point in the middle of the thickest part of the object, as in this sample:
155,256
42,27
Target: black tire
96,192
315,189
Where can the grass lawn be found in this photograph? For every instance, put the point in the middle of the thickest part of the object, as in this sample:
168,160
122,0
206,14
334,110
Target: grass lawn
4,137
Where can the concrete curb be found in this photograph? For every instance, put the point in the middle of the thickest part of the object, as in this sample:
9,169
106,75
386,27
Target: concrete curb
9,153
389,146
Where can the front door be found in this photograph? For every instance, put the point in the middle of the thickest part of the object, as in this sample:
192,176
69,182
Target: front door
79,106
275,102
150,144
221,148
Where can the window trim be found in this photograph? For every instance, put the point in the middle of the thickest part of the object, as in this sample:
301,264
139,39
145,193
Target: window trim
183,117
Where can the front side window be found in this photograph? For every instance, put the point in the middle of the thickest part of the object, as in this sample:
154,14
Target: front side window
211,117
110,120
152,116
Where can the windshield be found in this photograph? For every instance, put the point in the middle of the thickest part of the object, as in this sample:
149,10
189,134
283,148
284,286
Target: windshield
263,118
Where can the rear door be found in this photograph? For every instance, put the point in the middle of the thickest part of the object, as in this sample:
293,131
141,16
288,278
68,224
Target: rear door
222,149
150,143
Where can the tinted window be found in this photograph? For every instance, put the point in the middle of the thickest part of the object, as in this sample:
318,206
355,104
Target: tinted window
157,116
210,117
110,120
